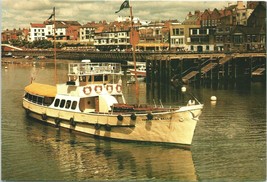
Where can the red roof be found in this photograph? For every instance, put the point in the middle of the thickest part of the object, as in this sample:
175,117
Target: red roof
37,25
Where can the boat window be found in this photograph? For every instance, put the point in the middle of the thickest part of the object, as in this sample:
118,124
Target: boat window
48,101
30,97
89,79
82,78
26,96
68,104
56,102
105,77
34,99
40,100
74,104
62,103
98,78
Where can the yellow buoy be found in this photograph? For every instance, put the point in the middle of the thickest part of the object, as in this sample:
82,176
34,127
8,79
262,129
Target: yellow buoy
213,98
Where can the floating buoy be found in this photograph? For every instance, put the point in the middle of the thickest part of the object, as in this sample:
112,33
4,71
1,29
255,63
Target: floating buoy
183,89
213,98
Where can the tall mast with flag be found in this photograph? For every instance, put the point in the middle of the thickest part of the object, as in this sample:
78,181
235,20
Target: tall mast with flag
53,15
126,4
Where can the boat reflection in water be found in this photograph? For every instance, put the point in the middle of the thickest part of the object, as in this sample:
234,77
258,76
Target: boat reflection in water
82,158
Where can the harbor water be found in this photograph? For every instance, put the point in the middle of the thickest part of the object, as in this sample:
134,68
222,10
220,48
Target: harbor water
229,142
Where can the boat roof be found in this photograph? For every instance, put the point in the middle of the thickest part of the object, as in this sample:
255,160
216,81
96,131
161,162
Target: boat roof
41,89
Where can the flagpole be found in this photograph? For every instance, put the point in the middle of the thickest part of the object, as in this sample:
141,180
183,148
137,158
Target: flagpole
134,57
55,64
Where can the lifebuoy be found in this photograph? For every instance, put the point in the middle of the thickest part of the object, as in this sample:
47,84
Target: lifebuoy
87,90
133,116
97,126
72,122
44,117
108,127
149,116
118,88
109,88
98,89
120,117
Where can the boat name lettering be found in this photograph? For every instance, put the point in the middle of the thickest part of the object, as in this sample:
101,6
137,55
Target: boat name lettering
156,118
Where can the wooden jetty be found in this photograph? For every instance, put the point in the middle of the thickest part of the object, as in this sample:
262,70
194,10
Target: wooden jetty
166,67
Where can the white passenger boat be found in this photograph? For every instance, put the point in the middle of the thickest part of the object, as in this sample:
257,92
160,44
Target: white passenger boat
139,71
92,102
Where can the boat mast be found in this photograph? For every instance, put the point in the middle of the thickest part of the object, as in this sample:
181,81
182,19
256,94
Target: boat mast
55,53
134,58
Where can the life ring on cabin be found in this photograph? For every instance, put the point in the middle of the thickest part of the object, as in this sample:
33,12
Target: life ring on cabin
120,117
133,116
98,89
57,122
109,88
87,90
97,126
107,127
118,88
72,122
44,117
149,116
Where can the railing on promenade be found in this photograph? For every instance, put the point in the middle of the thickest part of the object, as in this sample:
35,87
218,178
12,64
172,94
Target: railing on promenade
127,56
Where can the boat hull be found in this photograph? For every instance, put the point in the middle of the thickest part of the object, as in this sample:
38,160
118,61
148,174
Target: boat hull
170,126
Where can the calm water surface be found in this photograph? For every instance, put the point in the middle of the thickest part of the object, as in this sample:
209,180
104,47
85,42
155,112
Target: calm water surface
229,142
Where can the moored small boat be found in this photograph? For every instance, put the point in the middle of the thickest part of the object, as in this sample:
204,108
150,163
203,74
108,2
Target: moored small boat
92,102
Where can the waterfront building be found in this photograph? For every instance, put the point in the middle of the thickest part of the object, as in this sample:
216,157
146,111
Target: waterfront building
153,37
65,30
199,37
14,34
37,32
238,37
87,33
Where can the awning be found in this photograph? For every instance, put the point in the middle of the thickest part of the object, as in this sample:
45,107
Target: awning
41,89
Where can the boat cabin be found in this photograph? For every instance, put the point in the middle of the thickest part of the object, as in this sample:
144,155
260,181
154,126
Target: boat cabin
91,87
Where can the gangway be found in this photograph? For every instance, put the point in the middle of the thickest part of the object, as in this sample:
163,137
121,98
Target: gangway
258,72
225,59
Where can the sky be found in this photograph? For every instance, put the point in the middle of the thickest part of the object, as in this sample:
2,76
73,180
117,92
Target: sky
20,13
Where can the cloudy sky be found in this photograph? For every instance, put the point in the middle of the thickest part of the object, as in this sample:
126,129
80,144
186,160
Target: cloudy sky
20,13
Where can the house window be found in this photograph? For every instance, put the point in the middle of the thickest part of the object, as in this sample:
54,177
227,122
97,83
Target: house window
194,31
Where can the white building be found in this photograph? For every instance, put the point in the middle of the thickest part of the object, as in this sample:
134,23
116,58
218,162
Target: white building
37,32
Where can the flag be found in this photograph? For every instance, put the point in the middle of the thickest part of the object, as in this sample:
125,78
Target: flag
125,4
53,14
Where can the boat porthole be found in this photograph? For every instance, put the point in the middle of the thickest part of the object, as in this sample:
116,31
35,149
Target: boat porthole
97,126
108,127
44,116
57,121
120,117
149,116
133,116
